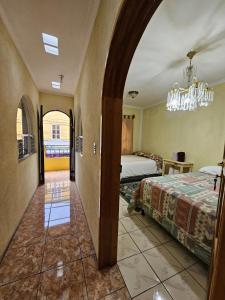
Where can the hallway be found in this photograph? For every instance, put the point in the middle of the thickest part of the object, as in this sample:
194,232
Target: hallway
51,255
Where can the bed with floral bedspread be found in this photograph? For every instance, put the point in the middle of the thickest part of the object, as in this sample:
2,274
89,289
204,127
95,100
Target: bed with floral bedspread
185,205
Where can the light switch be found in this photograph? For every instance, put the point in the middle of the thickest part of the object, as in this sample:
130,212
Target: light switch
94,148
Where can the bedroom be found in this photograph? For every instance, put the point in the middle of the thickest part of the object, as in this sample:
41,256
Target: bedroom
148,127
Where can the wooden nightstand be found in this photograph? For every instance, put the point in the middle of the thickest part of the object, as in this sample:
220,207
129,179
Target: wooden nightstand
182,167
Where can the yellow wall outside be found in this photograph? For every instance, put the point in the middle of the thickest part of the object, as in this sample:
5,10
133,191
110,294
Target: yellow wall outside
19,179
57,163
201,134
88,100
19,126
55,117
137,129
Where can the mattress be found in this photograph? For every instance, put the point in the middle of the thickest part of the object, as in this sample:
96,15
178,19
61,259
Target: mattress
133,165
185,205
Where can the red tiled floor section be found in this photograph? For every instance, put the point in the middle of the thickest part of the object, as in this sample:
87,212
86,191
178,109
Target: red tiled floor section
52,255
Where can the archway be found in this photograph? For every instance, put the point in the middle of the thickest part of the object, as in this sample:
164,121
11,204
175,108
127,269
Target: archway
132,21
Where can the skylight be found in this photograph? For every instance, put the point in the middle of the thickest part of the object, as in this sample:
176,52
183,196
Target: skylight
51,50
50,39
50,43
56,85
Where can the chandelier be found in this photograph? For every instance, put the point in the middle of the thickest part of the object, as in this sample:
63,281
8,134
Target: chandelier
197,93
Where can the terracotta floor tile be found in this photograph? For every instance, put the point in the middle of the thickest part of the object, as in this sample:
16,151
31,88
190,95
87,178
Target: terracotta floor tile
24,289
20,263
65,282
61,250
103,282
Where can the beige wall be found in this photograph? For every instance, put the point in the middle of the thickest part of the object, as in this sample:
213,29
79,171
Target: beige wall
56,102
88,100
18,179
201,134
137,129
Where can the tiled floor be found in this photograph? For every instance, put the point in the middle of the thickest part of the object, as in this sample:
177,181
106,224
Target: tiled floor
52,256
154,266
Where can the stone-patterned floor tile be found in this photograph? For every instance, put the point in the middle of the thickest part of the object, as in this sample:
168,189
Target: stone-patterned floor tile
20,263
185,257
200,273
121,228
60,227
156,293
144,239
65,282
126,247
86,247
61,212
131,223
162,262
121,294
123,212
159,232
61,250
183,286
138,275
101,283
24,289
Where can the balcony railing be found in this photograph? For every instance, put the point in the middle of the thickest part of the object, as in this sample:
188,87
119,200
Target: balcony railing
57,151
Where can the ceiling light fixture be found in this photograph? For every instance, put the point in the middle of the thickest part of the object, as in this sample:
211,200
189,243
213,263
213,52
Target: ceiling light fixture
133,94
56,85
196,93
50,44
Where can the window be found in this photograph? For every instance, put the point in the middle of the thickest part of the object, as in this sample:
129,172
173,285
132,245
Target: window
55,132
24,132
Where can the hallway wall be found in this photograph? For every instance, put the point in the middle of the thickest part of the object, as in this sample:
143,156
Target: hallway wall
88,100
56,102
18,179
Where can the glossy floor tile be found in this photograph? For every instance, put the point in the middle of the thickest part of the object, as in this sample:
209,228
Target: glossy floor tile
162,267
138,274
52,255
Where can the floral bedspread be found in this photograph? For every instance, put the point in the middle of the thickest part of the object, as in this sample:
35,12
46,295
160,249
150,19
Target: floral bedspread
185,205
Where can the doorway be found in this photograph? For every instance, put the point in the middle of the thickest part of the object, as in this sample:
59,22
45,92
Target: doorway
56,148
131,23
56,131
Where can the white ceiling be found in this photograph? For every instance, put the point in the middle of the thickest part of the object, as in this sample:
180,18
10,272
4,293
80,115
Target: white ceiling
177,27
70,20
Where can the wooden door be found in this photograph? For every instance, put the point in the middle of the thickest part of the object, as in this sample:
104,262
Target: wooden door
72,152
217,274
40,146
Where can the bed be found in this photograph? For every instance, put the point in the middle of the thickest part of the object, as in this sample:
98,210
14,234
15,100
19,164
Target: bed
185,205
139,165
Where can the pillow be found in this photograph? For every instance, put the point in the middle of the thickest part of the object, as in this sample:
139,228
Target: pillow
212,170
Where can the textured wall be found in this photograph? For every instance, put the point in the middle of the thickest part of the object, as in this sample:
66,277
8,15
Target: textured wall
137,129
88,101
201,134
56,102
18,179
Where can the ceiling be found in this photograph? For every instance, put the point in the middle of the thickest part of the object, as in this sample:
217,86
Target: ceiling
177,27
71,21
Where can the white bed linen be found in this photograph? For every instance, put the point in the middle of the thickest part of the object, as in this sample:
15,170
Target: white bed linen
133,165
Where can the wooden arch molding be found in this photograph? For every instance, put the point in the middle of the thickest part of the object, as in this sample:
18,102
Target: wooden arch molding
133,18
